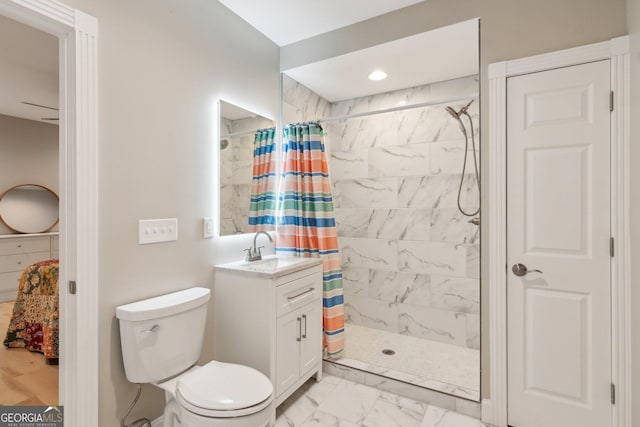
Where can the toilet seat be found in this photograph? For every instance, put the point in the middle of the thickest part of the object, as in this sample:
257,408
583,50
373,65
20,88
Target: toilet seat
224,390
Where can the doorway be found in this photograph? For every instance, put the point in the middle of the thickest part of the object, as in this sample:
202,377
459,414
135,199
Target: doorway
78,247
29,161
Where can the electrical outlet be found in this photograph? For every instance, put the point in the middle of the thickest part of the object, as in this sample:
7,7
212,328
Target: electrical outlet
207,227
157,230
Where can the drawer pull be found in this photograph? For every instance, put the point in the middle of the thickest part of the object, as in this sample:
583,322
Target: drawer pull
301,294
304,317
299,338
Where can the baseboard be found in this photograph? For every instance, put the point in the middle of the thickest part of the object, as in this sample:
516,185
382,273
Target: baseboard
487,412
158,421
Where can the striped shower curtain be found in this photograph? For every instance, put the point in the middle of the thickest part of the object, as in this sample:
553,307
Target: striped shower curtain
306,225
263,199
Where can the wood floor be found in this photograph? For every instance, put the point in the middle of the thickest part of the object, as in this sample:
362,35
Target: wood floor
25,378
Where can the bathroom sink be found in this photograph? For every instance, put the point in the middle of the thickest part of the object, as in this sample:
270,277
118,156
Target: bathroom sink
271,266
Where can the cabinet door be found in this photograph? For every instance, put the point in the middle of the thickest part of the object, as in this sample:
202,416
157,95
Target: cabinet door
288,334
311,344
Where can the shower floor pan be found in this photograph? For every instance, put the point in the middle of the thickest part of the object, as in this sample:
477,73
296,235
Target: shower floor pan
430,364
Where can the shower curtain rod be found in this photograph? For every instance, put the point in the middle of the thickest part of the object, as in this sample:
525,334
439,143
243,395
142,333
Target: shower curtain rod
399,108
371,113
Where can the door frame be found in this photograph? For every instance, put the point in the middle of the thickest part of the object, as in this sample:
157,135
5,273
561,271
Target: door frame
78,174
494,409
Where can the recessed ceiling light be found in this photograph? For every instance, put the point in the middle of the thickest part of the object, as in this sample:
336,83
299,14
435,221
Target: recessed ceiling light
378,75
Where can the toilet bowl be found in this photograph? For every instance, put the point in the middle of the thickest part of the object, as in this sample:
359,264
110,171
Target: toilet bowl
161,341
218,394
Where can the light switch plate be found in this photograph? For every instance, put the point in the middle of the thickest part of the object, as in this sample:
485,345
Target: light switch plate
207,228
157,230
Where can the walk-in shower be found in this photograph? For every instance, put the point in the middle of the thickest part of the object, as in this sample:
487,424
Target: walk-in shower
404,171
410,258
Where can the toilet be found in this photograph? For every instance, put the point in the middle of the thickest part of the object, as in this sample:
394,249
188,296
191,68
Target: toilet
161,342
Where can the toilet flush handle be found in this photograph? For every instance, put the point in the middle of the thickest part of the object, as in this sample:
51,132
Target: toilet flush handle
153,329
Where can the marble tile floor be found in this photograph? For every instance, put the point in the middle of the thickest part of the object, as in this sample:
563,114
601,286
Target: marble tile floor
336,402
25,377
438,366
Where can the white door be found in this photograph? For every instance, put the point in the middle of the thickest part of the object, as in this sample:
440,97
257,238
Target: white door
558,210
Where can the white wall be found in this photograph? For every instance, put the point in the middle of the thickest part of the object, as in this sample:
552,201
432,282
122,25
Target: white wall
163,64
28,155
509,29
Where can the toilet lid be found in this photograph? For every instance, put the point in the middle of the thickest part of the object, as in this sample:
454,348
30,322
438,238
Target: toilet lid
224,387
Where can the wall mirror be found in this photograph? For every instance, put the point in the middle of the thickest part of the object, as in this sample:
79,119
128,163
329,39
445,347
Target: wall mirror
29,208
403,158
240,129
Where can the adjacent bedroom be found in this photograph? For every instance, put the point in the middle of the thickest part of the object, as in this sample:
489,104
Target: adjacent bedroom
29,215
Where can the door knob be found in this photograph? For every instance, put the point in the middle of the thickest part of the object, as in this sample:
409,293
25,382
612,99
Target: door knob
521,269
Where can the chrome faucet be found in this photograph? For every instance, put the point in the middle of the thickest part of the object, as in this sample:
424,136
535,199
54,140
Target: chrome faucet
253,253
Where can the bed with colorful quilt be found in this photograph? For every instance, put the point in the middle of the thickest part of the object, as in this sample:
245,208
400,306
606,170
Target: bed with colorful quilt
35,320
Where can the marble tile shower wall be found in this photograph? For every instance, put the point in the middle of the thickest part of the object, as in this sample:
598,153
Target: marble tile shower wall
236,173
300,104
410,259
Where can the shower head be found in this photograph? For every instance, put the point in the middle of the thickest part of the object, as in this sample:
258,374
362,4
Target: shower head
456,114
224,143
453,112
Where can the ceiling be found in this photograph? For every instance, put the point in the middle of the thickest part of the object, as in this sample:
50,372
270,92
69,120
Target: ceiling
289,21
441,54
28,71
29,66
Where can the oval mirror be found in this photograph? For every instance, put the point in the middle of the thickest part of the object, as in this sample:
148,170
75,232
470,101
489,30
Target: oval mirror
29,208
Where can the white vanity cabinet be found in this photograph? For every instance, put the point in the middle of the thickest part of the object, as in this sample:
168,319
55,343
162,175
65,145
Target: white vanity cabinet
268,315
17,251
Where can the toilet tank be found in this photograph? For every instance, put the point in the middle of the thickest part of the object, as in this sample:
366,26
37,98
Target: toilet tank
162,336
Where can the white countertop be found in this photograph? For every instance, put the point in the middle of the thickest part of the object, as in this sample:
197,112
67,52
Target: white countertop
271,266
